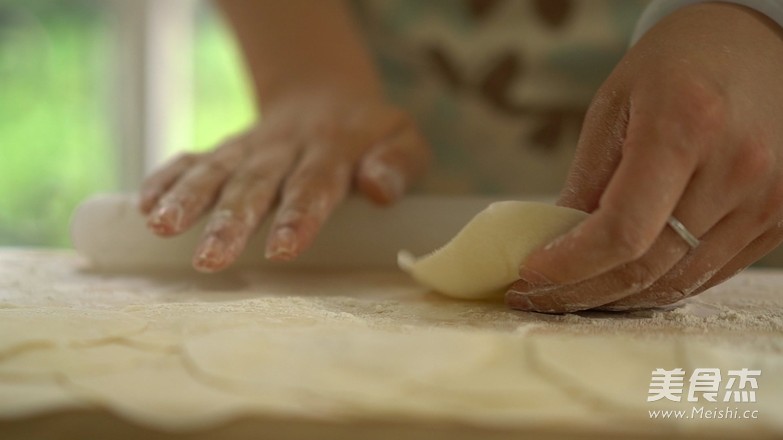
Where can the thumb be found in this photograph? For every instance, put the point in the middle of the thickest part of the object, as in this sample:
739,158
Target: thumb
388,168
597,156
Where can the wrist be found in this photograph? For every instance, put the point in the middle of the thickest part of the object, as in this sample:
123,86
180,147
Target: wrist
280,90
304,97
658,10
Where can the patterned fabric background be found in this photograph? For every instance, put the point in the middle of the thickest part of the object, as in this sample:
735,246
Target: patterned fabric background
499,87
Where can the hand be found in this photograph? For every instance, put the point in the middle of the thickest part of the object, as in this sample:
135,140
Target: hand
306,156
688,125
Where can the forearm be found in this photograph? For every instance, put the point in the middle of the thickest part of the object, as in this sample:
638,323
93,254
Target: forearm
300,47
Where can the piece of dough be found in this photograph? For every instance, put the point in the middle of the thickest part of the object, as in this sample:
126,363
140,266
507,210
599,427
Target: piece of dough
52,362
22,328
334,362
484,257
161,394
23,399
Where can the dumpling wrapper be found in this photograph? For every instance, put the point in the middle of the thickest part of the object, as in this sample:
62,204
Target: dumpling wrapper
22,328
483,259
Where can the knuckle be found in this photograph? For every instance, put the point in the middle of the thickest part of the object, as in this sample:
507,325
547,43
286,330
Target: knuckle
754,160
272,131
326,128
251,176
410,151
703,108
327,175
293,212
259,167
217,165
187,158
183,196
252,182
299,213
187,192
307,204
229,222
699,114
684,152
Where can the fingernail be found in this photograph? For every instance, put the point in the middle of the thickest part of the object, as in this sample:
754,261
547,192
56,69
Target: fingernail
282,245
535,279
211,255
543,303
166,219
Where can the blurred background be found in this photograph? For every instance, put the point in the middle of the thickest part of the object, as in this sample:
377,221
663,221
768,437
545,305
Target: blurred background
94,93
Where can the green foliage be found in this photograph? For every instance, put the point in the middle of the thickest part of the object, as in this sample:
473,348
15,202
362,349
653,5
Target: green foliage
56,140
223,101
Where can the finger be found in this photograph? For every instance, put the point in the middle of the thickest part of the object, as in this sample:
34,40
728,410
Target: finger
718,246
243,204
704,214
323,177
758,248
320,181
627,279
386,171
160,181
771,215
651,177
699,273
195,191
729,238
598,152
752,253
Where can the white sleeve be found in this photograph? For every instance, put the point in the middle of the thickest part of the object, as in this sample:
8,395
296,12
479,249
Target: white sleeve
658,9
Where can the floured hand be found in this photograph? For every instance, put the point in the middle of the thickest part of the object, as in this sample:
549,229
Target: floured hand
688,125
305,156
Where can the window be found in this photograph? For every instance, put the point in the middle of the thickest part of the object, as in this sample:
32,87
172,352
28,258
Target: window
55,144
222,96
94,93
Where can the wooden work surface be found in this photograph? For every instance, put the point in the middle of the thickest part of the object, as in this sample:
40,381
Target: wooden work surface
342,353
